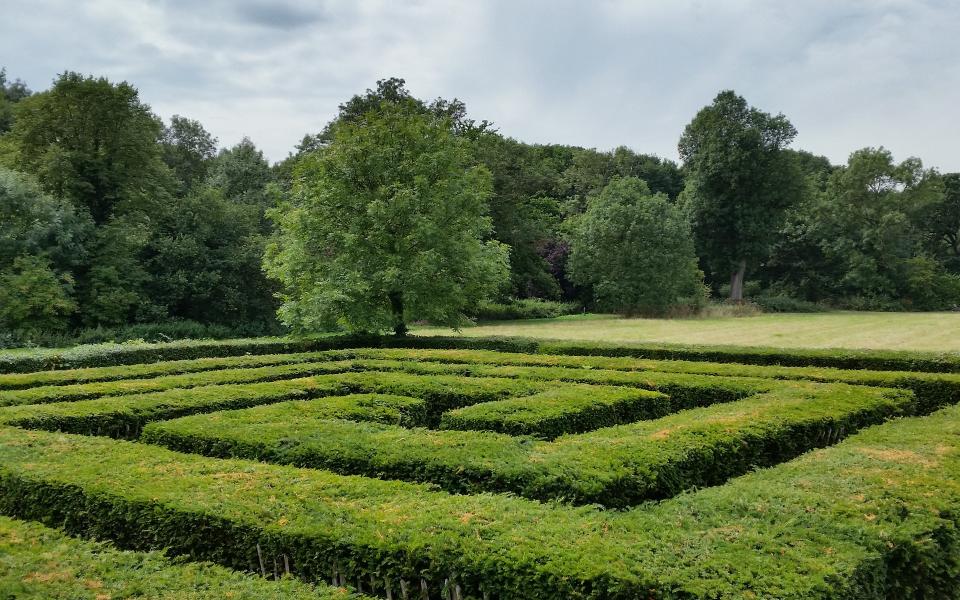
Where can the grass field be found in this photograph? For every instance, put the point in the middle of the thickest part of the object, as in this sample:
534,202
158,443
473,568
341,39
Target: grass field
937,332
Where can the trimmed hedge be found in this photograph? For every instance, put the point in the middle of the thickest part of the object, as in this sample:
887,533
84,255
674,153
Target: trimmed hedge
549,414
933,390
84,391
19,381
121,354
874,517
40,563
685,390
616,466
125,416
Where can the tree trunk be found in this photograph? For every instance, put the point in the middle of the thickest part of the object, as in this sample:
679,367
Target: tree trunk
396,306
736,282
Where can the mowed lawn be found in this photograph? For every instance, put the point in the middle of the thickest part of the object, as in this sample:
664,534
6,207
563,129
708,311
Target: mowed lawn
937,332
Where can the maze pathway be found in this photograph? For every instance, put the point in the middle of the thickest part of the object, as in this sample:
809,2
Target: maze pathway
409,473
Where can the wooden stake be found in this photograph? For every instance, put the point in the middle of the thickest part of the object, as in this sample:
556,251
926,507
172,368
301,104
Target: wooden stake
386,584
403,589
286,564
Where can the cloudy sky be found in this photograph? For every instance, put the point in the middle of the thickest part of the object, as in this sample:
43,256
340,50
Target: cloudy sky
596,73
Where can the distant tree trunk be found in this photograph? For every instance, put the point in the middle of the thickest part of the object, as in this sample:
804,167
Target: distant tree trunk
736,282
396,306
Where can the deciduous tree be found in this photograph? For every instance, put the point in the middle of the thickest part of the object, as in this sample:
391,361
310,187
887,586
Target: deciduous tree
387,225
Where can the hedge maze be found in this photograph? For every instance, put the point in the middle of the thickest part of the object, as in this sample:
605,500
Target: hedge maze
455,473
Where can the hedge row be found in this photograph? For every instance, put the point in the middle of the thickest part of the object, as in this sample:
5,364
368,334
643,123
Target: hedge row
934,390
120,354
124,416
84,391
685,390
616,466
40,563
19,381
877,516
550,414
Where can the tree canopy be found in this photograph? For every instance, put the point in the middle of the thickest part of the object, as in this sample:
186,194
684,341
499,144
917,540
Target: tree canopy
635,250
740,182
387,225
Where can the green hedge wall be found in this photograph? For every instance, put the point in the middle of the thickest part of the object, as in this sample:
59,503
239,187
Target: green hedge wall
873,517
615,466
40,563
84,391
19,381
121,354
125,416
568,409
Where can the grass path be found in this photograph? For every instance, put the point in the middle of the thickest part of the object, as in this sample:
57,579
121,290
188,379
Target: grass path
938,332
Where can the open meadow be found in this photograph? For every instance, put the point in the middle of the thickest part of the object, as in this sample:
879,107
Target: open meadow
933,332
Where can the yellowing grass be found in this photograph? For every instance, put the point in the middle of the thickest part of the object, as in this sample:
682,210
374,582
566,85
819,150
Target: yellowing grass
938,332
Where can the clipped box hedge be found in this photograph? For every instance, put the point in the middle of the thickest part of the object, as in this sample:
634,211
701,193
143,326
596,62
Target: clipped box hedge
84,391
40,563
19,381
615,466
934,390
122,354
125,416
873,517
567,409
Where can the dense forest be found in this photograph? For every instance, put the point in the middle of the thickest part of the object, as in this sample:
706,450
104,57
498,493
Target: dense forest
114,222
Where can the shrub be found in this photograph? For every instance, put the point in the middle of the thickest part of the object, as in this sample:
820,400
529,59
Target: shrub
785,303
552,413
42,563
615,466
873,517
524,308
635,250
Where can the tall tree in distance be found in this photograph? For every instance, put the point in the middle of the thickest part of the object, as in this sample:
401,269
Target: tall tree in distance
11,92
635,250
387,225
740,181
93,142
188,149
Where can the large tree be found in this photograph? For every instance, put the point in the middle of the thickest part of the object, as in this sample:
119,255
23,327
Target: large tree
188,149
635,250
387,225
92,142
740,182
11,92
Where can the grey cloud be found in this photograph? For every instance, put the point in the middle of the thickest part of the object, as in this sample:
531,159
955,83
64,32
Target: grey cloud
601,74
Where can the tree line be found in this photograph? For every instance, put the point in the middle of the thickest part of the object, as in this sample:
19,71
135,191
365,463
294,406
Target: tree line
404,210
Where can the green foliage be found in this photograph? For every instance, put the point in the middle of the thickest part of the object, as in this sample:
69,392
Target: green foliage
40,563
640,461
635,250
16,381
524,308
860,242
830,524
187,149
756,533
555,412
108,162
11,92
181,381
33,297
387,227
36,224
740,181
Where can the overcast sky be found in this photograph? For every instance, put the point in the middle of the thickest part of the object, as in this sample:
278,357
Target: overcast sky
600,73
